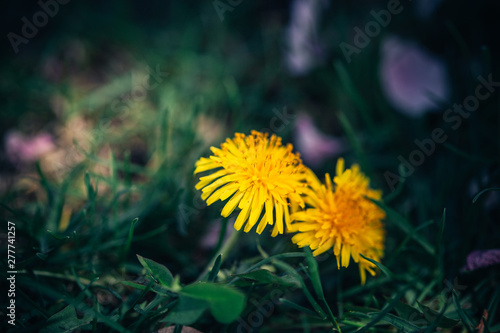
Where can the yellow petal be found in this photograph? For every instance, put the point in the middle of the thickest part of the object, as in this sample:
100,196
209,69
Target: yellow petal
315,243
305,226
336,251
262,225
243,216
230,190
246,198
328,181
231,204
219,182
275,230
362,274
269,211
324,247
288,221
208,179
229,144
217,194
257,205
340,166
277,197
279,216
346,255
206,164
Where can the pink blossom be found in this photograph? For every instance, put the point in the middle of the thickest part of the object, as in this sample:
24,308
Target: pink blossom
303,48
413,80
313,145
23,149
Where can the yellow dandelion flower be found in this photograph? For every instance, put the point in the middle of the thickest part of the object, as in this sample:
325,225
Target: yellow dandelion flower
340,217
258,175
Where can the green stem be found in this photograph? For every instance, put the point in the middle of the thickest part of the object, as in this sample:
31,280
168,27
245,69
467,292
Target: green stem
330,315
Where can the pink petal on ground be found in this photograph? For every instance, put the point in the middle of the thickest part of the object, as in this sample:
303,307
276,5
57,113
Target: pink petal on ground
313,145
412,79
481,259
303,48
23,149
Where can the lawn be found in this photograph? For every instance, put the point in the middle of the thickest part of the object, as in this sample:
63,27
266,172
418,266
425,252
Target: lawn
239,166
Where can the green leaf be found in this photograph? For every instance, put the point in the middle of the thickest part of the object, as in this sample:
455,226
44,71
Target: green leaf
266,277
157,271
187,311
431,316
466,321
68,320
226,303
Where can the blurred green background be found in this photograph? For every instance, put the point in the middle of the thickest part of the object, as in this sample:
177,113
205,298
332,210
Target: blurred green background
107,105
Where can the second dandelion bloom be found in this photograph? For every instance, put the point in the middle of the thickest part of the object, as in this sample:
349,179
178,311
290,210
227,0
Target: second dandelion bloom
259,175
340,216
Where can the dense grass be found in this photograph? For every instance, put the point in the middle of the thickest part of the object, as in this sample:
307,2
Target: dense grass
121,184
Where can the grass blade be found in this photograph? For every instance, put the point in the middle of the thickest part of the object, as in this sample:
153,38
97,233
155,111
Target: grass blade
476,197
318,288
215,269
297,307
384,269
126,248
406,227
466,321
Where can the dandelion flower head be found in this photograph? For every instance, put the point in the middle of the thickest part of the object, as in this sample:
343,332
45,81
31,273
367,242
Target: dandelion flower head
258,175
341,217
